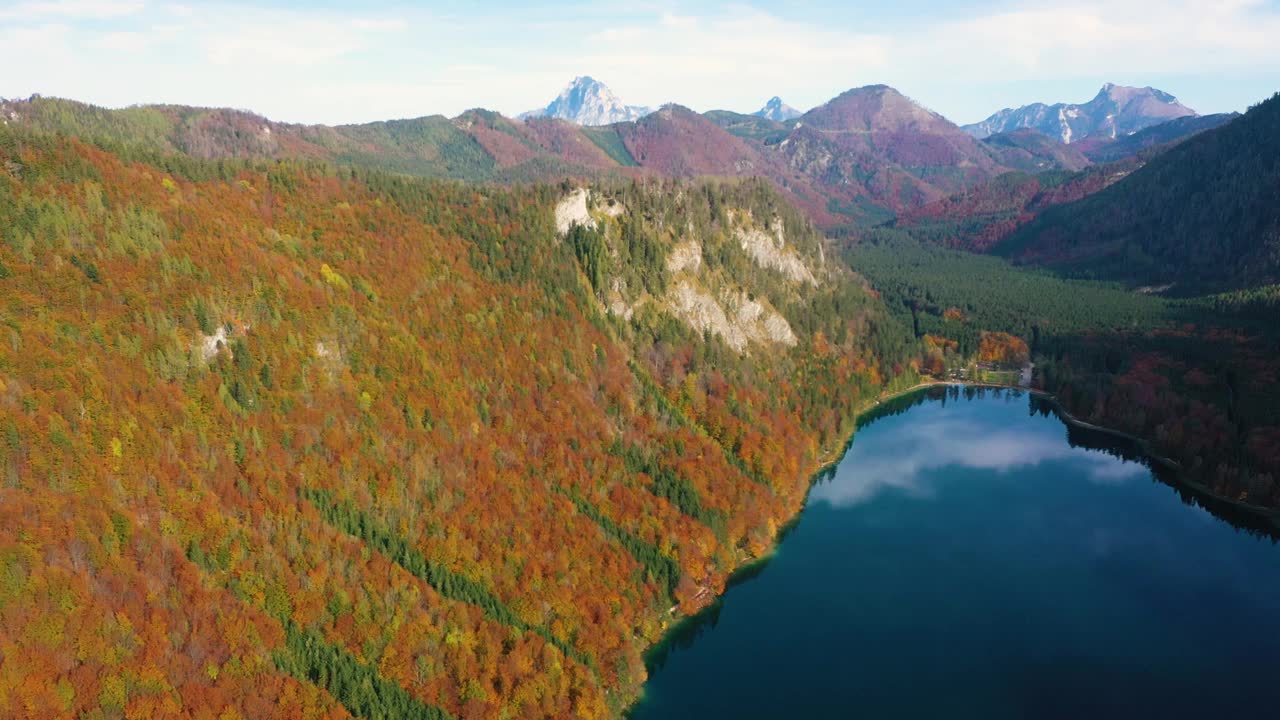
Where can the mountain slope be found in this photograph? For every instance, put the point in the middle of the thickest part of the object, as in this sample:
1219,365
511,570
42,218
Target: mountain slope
1203,214
1114,112
894,155
750,127
430,146
678,142
288,440
1032,151
982,217
875,142
1104,149
476,146
587,101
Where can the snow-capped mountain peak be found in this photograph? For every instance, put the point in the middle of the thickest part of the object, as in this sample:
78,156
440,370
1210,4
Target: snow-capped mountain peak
1115,111
587,101
777,110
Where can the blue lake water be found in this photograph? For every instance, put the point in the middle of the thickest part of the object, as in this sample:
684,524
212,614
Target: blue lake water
966,558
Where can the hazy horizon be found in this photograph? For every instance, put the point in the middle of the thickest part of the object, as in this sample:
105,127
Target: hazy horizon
323,63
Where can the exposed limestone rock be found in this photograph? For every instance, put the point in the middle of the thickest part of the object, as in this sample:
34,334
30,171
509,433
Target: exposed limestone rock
685,256
617,300
710,303
745,321
211,345
587,101
702,313
769,250
573,211
761,324
777,329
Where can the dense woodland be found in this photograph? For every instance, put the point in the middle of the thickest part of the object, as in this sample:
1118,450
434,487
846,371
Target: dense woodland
984,216
1204,397
304,438
279,438
955,294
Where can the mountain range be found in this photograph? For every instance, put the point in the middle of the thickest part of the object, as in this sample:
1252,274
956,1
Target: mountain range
862,158
1114,112
983,216
1202,215
1195,214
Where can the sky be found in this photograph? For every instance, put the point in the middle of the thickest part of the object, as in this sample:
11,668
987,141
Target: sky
334,62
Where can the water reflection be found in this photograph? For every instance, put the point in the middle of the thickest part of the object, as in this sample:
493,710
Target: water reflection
1130,450
933,439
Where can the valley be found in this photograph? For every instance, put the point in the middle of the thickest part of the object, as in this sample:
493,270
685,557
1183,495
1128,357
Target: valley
464,417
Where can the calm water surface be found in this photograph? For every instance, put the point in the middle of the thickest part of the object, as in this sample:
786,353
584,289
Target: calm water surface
966,559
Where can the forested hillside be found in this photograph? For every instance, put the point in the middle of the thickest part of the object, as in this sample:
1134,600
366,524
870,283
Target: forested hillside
1104,149
279,439
1032,151
1202,216
478,145
984,216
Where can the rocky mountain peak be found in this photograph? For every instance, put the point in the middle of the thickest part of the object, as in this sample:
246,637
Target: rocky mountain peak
1116,111
587,101
777,110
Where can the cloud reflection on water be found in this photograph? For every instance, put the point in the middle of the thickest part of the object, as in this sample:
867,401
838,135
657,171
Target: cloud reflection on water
899,460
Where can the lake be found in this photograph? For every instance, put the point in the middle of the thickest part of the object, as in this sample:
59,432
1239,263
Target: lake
971,557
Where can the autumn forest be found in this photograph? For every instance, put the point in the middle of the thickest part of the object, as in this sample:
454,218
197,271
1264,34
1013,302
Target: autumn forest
311,437
334,442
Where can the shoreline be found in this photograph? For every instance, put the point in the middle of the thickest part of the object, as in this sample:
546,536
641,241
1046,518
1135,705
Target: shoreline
827,460
1179,475
1142,444
831,458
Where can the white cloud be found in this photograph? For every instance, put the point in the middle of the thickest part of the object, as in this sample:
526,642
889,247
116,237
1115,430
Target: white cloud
123,41
71,9
679,21
1118,36
1116,473
293,41
378,25
714,61
734,59
904,460
34,41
